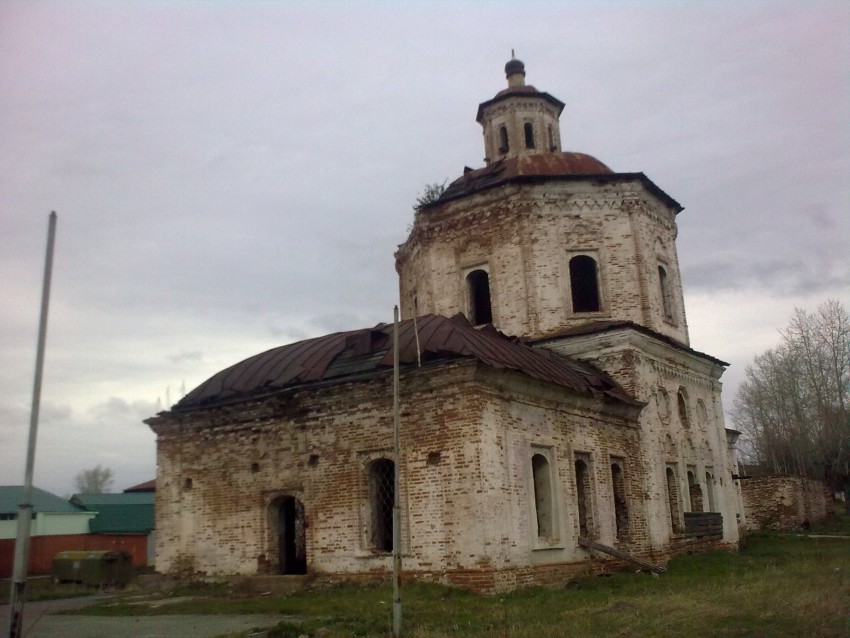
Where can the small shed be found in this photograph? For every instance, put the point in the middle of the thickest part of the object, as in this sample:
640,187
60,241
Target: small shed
126,518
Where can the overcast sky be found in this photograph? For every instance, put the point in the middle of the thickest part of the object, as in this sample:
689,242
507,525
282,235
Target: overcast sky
233,176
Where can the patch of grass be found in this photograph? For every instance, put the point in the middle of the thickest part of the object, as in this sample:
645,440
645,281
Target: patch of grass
838,522
780,586
43,588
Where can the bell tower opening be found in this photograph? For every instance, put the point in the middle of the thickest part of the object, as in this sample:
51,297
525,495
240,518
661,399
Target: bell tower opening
529,135
478,287
584,284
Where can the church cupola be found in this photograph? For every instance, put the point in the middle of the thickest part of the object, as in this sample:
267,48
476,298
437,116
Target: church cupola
541,240
519,120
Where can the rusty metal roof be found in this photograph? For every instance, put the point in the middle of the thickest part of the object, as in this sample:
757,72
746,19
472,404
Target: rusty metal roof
533,168
346,355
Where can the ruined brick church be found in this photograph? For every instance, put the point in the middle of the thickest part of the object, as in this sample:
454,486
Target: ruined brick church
554,418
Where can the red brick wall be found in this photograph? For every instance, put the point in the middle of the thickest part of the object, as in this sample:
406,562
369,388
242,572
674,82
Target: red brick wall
468,437
44,548
783,502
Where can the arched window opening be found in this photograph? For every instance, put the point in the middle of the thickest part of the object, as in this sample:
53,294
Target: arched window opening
478,284
584,494
584,284
673,501
543,496
702,414
684,415
291,542
529,135
666,300
621,511
663,401
503,139
694,491
709,490
381,498
552,146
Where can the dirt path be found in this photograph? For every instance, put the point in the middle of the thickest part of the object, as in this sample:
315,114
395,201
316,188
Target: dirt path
40,621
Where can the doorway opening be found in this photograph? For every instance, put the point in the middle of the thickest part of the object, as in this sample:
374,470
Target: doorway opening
292,546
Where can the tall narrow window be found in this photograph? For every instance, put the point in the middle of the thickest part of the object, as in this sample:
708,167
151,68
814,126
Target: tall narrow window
709,489
552,146
673,501
694,491
542,496
478,285
621,511
684,414
584,284
584,493
666,300
381,497
529,135
702,414
503,139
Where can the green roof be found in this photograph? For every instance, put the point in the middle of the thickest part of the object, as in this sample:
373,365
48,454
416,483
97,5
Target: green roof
121,513
11,496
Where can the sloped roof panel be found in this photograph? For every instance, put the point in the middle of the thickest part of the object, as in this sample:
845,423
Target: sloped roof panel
42,501
431,337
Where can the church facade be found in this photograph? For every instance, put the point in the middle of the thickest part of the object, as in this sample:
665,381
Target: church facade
552,409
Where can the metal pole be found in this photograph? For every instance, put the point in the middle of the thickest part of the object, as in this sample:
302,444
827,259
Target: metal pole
396,510
22,543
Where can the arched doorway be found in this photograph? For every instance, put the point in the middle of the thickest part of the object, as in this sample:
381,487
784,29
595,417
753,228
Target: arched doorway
292,546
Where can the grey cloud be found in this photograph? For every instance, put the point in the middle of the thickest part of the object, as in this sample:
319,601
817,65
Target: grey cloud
778,276
195,356
116,411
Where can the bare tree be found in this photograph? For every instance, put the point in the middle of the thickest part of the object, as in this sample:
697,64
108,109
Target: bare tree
793,405
97,480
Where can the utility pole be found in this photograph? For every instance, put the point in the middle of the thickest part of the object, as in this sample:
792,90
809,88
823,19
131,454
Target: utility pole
396,509
22,542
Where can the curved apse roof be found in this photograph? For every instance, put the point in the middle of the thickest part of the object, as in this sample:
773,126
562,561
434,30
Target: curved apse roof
347,355
543,166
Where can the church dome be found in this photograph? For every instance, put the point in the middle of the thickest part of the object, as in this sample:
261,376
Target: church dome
525,167
514,66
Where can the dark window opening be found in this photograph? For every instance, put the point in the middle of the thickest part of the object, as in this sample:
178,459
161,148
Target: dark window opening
684,417
673,500
552,146
381,500
542,496
584,495
584,284
503,139
529,135
292,545
621,511
666,301
478,282
694,492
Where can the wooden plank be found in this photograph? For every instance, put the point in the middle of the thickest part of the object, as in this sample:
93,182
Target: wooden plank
599,547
